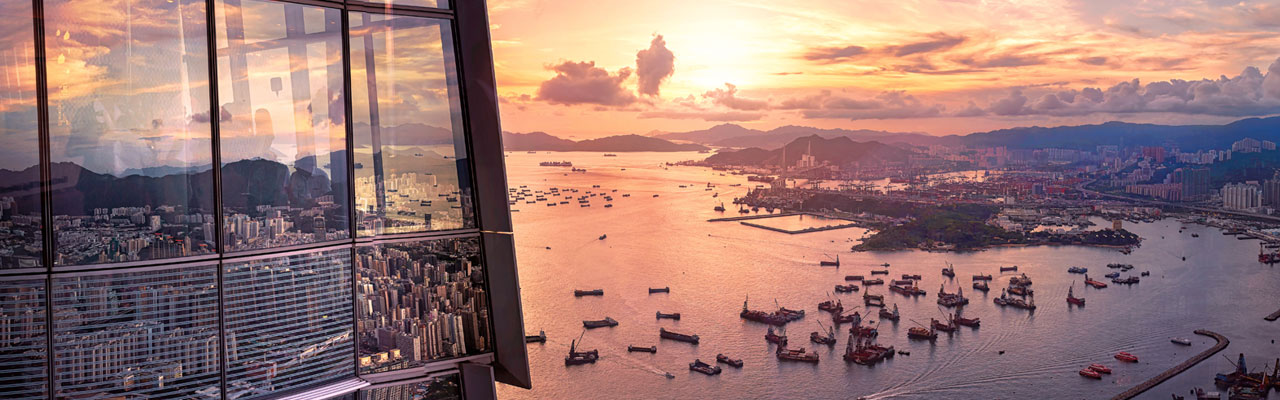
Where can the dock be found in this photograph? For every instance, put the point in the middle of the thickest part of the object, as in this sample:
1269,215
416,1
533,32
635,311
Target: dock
1274,316
805,230
1177,369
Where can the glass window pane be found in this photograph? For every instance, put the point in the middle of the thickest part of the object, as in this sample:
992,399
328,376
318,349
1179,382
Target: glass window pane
23,358
20,235
129,130
419,302
288,322
447,387
417,3
282,129
411,156
143,334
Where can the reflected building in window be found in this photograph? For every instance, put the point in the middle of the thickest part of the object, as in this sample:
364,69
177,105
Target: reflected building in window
20,210
129,132
410,156
282,129
420,301
447,387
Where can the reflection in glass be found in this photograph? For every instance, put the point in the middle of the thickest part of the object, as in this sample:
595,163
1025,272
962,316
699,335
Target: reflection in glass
143,335
282,130
20,235
410,154
288,322
416,3
129,130
420,301
23,358
447,387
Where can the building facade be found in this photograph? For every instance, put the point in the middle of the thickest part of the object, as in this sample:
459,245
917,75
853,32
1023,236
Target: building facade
253,199
1241,196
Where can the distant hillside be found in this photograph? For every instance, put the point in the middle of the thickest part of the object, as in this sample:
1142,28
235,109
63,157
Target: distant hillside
839,151
731,135
541,141
1087,137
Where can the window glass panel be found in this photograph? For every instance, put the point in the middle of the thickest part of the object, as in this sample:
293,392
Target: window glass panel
282,129
23,358
144,334
417,3
20,235
445,387
410,155
420,301
129,130
288,322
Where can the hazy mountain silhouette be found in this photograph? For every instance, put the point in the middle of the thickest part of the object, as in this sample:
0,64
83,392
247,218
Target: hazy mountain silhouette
732,135
541,141
839,151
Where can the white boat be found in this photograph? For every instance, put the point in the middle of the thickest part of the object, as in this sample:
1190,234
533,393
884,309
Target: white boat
1181,341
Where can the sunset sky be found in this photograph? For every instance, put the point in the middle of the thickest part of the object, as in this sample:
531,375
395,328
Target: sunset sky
588,68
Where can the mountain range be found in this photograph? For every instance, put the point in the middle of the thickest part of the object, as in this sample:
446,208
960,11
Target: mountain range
541,141
839,150
733,135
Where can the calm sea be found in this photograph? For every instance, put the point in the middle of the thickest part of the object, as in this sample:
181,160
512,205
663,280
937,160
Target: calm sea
712,267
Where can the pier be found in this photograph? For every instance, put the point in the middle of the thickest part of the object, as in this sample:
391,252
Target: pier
1274,316
1177,369
751,217
805,230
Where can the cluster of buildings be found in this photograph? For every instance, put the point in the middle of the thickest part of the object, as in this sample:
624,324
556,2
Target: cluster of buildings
409,202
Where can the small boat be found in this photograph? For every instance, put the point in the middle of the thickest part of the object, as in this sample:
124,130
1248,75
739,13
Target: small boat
904,352
886,265
1077,270
1100,368
853,277
736,363
819,338
1071,297
606,322
1145,273
981,277
660,290
879,272
981,286
1088,373
1126,357
826,263
949,272
831,306
699,366
916,332
641,349
915,277
1181,341
846,288
772,337
541,337
680,337
873,299
1095,284
675,316
892,316
1008,269
593,292
1113,275
603,236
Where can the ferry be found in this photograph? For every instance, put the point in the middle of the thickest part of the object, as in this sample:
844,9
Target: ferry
736,363
606,322
639,349
680,337
699,366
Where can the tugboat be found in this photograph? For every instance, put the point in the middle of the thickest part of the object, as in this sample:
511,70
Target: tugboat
679,337
1071,297
541,337
675,316
606,322
708,369
594,292
736,363
892,316
775,338
828,339
640,349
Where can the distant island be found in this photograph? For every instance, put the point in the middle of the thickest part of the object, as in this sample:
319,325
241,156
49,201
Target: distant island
542,141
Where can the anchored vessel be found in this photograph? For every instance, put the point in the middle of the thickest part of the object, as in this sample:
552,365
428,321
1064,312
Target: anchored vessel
641,349
675,316
606,322
680,337
541,337
594,292
736,363
660,290
699,366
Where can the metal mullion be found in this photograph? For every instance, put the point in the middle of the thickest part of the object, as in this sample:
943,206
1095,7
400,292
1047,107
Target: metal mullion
398,9
352,225
241,254
46,187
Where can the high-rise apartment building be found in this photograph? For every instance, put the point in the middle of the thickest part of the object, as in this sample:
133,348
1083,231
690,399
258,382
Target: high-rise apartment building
229,199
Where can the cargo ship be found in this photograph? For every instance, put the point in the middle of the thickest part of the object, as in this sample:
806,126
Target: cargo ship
1095,284
1071,296
660,290
981,277
594,292
641,349
818,337
541,337
680,337
699,366
981,286
772,337
951,299
864,350
675,316
826,263
962,321
606,322
799,355
1009,269
869,282
922,333
879,272
576,357
912,290
853,278
831,306
915,277
736,363
1021,280
555,164
846,288
892,316
853,317
876,300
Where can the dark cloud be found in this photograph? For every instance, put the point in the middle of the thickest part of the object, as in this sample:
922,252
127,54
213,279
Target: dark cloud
1094,60
935,42
1007,60
728,116
886,105
1250,93
971,110
203,117
653,65
584,83
834,54
728,97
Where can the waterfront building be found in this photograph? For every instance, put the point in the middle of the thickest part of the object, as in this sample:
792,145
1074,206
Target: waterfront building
1241,196
256,220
